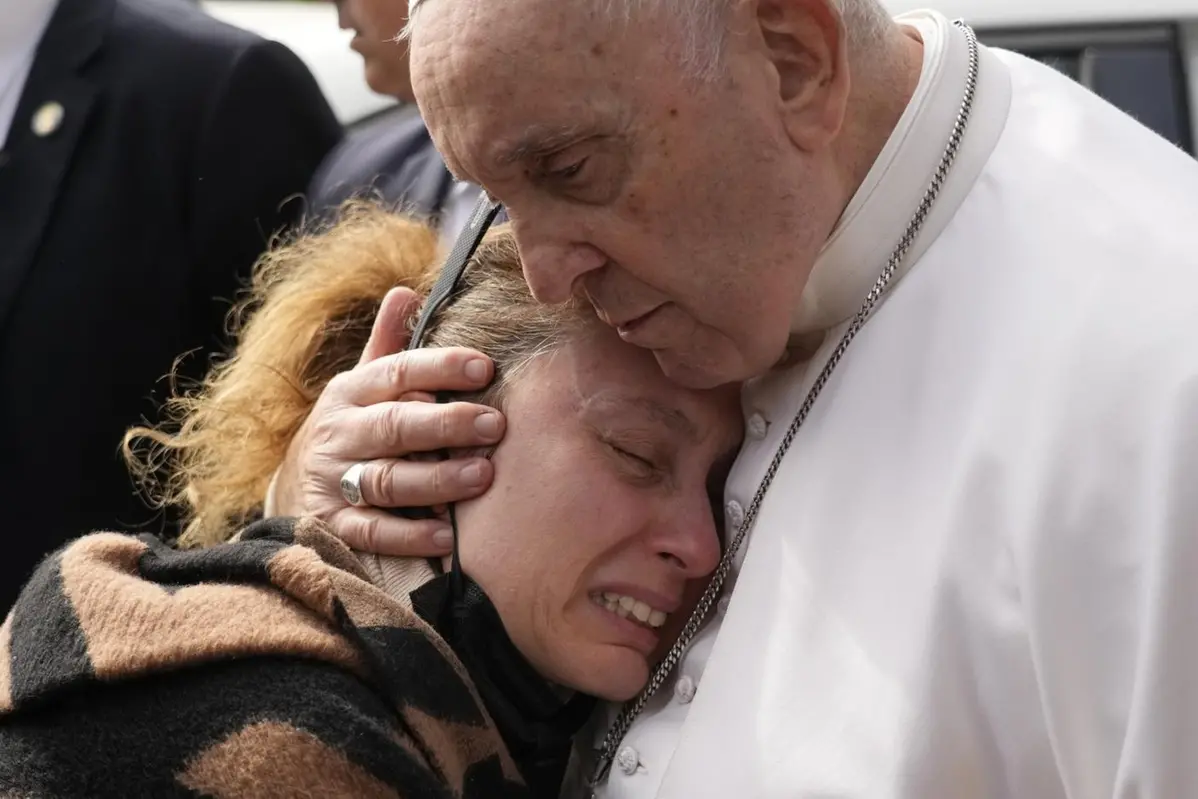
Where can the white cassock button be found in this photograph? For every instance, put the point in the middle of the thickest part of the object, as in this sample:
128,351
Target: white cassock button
722,606
736,514
48,119
628,759
757,427
684,690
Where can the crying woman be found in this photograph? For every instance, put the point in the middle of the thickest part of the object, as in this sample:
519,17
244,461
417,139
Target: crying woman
281,663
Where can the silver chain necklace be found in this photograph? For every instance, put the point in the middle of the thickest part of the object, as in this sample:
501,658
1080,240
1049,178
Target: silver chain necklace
611,742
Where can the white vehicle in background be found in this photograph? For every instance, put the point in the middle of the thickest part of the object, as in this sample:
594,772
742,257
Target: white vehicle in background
1141,55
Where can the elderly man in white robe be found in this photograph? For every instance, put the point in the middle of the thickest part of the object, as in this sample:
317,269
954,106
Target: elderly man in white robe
963,294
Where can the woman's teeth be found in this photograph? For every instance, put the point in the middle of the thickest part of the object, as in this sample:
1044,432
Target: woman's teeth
625,606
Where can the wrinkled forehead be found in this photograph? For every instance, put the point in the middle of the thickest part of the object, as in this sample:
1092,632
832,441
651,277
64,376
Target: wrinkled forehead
506,24
455,44
483,70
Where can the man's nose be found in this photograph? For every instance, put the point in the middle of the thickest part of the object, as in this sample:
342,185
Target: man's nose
553,268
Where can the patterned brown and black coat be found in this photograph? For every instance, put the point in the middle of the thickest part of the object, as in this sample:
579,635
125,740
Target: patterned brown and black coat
270,667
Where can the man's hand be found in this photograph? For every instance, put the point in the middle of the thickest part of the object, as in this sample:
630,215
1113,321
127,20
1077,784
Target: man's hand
378,413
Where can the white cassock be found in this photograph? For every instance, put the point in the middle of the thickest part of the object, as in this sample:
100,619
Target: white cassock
976,574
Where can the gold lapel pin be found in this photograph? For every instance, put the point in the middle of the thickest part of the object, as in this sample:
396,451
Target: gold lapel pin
48,119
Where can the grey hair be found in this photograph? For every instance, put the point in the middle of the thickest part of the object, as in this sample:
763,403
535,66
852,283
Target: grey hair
702,47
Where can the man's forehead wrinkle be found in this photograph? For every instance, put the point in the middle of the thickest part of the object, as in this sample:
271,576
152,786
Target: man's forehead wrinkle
437,115
459,40
483,68
486,28
453,101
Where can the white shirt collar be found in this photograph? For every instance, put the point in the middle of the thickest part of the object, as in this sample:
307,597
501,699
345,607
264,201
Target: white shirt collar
877,216
24,23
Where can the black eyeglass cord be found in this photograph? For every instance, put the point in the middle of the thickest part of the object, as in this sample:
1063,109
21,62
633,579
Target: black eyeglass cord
442,293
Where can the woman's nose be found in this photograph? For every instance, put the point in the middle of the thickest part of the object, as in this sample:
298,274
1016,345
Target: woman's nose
693,545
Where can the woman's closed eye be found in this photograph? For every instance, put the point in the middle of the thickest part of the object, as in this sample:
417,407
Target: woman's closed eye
642,466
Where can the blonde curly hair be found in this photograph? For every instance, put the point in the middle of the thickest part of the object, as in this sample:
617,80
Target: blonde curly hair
306,317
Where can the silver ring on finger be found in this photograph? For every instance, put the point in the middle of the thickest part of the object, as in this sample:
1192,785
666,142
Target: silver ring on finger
351,485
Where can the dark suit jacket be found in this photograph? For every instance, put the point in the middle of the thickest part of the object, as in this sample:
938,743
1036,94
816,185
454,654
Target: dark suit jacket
391,159
123,235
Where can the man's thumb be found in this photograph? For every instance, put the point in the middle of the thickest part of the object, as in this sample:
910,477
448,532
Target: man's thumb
390,331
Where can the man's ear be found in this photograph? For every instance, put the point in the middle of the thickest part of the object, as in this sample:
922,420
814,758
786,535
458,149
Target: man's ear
806,45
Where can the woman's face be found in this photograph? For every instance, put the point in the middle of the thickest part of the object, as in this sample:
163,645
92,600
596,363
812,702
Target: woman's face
599,532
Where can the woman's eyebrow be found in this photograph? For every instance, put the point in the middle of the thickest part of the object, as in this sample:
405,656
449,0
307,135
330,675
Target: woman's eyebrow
671,418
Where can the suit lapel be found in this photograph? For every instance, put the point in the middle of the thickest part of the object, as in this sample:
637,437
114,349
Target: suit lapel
432,181
422,181
50,120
